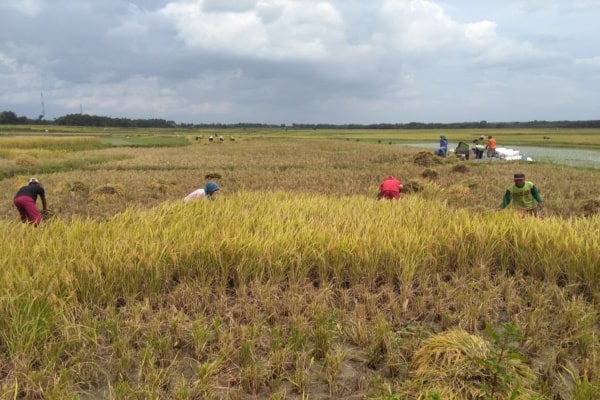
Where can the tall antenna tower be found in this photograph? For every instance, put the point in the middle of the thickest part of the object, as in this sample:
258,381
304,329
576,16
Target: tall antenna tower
43,107
80,109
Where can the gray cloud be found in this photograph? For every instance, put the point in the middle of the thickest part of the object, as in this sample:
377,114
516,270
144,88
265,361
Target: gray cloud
285,61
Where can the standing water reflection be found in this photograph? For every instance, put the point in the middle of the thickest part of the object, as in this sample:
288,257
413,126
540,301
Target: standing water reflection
571,157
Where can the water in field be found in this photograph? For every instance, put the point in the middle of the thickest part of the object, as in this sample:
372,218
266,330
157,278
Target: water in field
571,157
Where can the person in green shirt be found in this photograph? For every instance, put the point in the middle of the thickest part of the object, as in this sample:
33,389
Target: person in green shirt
524,196
479,146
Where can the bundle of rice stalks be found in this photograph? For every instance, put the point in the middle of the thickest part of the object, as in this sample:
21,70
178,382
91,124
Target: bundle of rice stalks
430,174
458,365
105,191
413,186
75,188
26,161
161,186
212,175
427,159
590,207
48,214
457,192
462,168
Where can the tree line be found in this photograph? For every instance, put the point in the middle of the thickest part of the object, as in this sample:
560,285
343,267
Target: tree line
11,118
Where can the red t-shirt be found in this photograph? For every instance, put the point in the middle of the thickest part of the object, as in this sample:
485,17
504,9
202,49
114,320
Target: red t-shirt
391,186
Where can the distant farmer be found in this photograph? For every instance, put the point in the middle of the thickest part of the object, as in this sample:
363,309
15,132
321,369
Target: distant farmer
390,189
208,191
443,149
479,147
25,201
524,195
491,147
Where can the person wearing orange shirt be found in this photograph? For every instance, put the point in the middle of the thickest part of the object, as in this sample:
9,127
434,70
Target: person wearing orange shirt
491,147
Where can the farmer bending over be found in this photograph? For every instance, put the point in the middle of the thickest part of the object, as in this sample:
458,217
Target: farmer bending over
524,195
208,191
25,200
389,189
443,149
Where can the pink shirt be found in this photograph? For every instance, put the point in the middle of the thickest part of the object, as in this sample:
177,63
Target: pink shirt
194,195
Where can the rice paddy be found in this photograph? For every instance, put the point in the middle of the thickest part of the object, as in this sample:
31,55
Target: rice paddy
295,283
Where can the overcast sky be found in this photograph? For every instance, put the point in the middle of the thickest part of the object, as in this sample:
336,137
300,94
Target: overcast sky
302,61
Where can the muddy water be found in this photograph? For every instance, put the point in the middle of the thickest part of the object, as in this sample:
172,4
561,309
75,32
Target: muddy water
571,157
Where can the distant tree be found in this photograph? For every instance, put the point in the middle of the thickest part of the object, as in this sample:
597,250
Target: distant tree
8,117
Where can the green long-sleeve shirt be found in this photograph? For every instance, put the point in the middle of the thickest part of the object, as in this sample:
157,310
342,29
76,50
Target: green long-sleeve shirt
522,197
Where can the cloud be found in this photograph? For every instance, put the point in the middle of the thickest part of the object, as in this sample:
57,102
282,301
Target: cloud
295,60
272,30
591,62
29,8
8,62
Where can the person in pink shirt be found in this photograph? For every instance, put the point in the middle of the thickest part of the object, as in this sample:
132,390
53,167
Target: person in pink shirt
390,189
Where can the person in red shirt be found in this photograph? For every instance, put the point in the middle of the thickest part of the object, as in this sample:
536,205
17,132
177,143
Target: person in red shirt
25,200
390,189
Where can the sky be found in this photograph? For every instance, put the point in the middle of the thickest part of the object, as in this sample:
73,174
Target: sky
302,61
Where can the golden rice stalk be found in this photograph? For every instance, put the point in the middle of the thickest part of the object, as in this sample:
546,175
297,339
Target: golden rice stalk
26,161
73,188
455,362
105,191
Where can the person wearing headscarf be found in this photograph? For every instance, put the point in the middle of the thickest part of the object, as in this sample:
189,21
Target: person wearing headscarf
443,149
208,191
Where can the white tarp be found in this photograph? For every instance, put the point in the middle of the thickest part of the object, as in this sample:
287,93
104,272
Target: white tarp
510,154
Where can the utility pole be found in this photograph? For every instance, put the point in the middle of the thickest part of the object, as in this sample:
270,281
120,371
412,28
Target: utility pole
43,107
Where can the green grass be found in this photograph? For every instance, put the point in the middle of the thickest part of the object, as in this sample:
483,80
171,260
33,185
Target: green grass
145,141
49,167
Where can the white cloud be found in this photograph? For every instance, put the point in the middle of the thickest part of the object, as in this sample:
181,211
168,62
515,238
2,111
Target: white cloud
591,62
239,33
416,26
28,8
271,30
8,62
300,60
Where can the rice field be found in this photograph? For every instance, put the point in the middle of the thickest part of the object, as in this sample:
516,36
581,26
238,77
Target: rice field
295,283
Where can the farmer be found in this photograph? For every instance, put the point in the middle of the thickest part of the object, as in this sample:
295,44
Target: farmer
491,147
479,147
25,201
208,191
389,189
524,195
443,149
